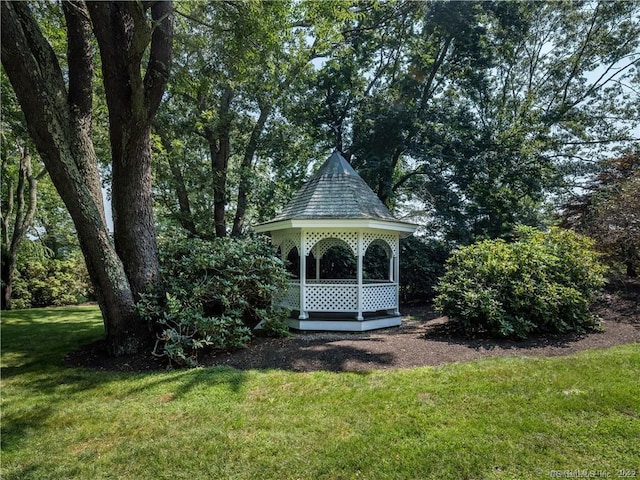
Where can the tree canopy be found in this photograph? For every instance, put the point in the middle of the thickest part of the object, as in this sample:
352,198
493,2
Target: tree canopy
468,116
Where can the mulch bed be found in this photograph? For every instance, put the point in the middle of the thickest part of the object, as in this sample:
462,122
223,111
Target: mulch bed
424,338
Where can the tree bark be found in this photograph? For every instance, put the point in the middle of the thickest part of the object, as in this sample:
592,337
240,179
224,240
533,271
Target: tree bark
124,32
134,227
37,80
245,170
218,137
631,269
80,97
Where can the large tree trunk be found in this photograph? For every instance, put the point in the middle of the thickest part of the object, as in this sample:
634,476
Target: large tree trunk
124,33
134,229
218,137
246,170
60,124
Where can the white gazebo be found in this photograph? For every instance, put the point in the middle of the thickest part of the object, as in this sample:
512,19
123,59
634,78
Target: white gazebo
336,207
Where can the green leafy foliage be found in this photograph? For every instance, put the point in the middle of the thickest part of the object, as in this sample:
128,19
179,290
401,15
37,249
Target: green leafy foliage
216,293
541,282
421,265
43,282
609,211
186,330
477,111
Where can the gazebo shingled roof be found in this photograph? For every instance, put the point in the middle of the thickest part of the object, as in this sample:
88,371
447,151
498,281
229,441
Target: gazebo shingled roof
335,191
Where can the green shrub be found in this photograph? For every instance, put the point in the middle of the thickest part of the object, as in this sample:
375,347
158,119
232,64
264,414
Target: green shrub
216,293
541,282
421,265
51,282
20,295
185,329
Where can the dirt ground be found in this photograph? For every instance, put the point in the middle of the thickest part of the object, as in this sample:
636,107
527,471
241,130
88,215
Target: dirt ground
424,338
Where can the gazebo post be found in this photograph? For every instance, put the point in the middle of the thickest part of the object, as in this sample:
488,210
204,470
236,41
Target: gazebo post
318,268
303,276
396,275
360,296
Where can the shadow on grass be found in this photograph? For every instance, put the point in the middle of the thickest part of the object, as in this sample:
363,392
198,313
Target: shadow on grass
39,341
19,422
36,384
39,338
40,399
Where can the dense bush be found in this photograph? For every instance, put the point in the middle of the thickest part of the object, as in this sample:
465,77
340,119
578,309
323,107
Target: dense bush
216,293
48,282
421,265
541,282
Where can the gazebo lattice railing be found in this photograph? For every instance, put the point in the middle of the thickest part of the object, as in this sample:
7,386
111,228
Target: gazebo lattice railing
339,295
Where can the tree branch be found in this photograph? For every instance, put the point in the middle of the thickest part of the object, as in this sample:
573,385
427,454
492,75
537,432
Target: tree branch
79,57
611,140
406,177
160,55
20,33
427,90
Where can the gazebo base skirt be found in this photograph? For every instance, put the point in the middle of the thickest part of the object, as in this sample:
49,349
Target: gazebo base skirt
329,323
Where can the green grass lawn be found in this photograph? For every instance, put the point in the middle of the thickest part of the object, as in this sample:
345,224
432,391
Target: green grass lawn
497,418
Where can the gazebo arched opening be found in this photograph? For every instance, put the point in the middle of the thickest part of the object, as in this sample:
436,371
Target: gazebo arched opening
332,260
378,262
292,262
342,245
336,262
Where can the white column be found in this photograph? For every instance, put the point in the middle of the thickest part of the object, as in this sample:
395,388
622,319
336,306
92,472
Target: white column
360,296
317,268
396,274
303,275
391,271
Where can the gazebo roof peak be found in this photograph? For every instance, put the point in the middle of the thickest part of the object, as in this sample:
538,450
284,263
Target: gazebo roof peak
336,164
335,191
